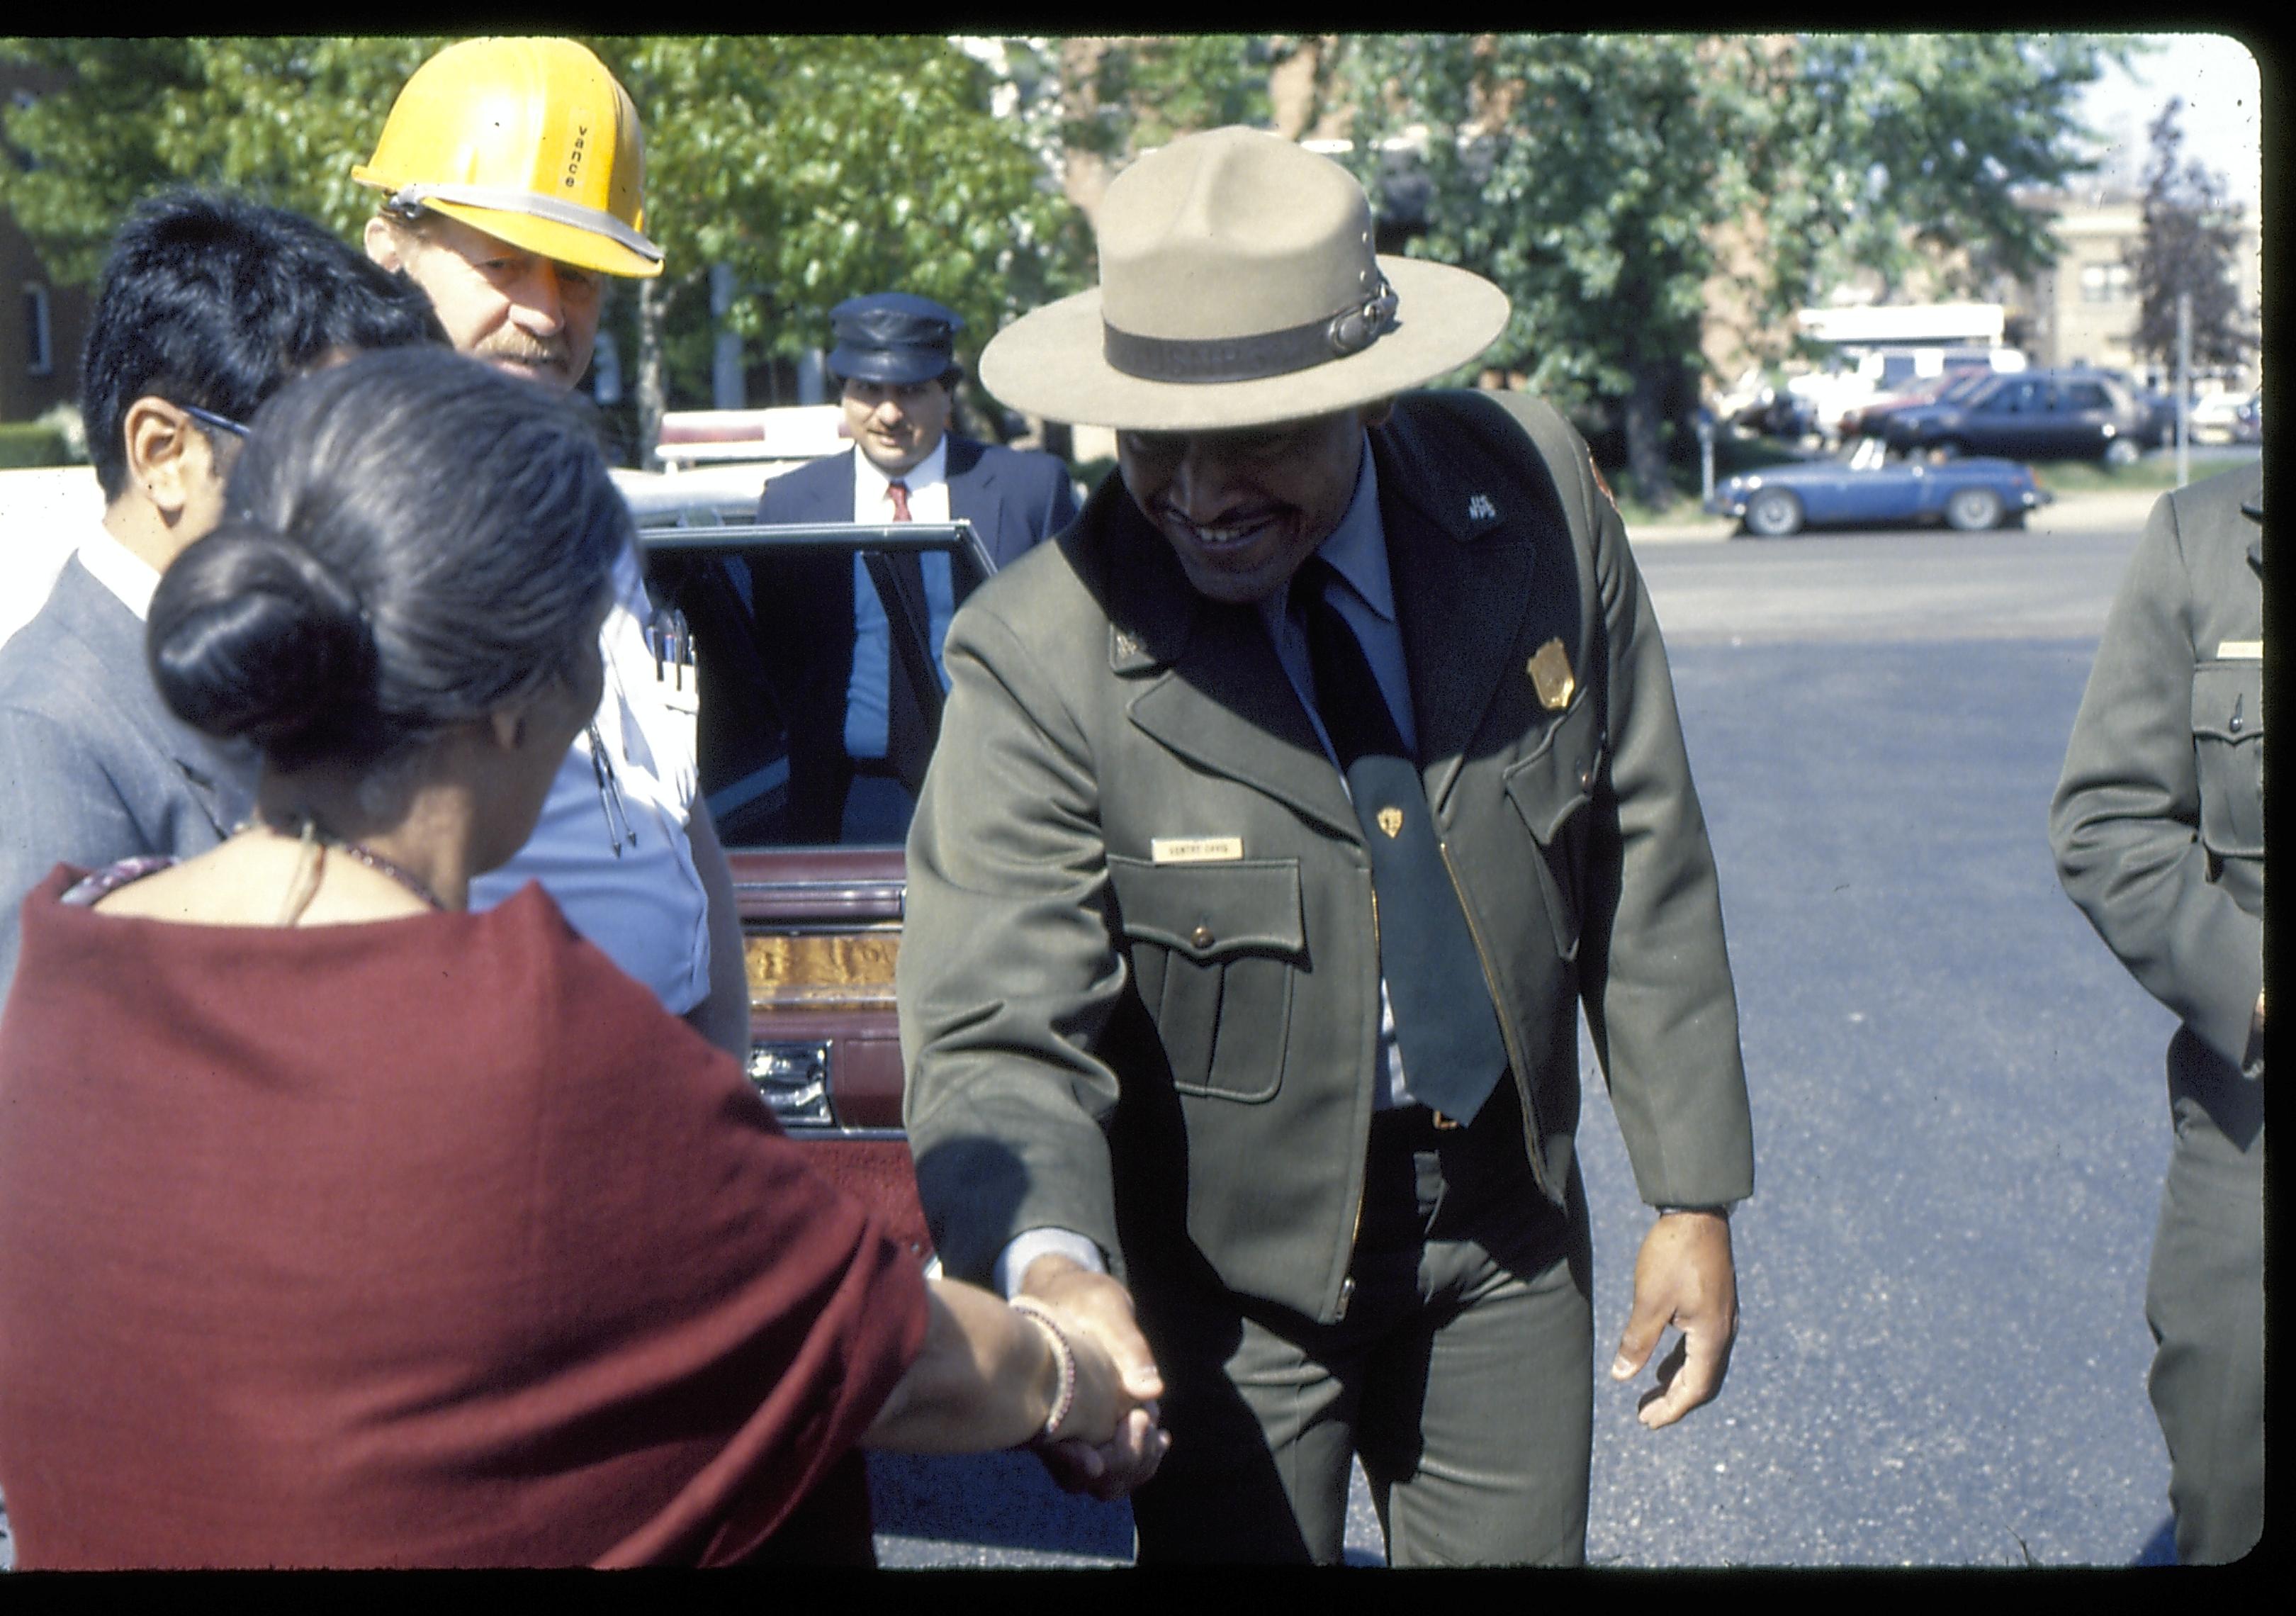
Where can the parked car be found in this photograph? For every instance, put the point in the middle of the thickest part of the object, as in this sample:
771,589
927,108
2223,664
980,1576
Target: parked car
1968,494
2217,418
2062,414
821,925
1948,389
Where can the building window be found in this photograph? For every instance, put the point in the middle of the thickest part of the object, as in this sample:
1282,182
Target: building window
2106,284
39,353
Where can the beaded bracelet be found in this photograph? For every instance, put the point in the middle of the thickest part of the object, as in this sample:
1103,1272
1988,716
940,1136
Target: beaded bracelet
1064,1354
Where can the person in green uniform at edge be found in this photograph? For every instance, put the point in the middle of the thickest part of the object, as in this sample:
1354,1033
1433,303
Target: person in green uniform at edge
2158,825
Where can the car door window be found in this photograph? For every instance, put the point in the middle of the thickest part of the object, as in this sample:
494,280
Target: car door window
774,681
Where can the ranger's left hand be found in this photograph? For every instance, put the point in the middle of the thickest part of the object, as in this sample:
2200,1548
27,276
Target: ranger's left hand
1683,1277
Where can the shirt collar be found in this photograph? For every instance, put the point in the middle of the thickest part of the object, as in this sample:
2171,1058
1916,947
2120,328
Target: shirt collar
1358,547
869,481
119,569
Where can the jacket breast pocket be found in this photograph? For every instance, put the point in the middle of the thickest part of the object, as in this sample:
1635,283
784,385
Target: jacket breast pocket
1550,790
1214,949
2228,756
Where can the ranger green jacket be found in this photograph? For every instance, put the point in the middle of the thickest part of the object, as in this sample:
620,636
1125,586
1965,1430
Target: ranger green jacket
2157,821
1139,984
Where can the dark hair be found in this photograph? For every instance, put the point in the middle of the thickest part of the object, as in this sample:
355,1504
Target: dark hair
215,301
410,540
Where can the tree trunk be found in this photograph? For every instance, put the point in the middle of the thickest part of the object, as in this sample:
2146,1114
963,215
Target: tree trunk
1646,456
1083,173
653,384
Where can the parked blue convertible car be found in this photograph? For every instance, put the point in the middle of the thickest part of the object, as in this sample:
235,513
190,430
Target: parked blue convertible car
1969,495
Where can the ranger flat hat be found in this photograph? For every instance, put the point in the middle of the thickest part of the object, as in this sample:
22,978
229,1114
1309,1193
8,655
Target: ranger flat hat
1238,286
895,337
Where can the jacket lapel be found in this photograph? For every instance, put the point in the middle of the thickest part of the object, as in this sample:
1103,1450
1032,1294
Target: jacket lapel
972,497
1461,587
1211,690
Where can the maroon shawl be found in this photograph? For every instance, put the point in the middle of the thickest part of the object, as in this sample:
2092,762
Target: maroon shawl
433,1241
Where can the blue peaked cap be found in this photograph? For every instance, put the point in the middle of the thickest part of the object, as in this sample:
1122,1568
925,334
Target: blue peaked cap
893,337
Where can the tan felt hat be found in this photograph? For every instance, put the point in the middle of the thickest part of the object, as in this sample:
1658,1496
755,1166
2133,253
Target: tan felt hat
1238,286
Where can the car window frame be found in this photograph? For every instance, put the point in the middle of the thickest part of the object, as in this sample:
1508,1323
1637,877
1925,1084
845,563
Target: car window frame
702,529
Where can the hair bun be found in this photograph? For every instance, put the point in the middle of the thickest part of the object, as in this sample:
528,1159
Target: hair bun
252,636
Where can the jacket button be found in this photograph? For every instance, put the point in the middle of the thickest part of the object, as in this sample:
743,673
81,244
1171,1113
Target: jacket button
1202,936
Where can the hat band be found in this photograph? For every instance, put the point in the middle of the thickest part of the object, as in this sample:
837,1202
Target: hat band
1275,352
503,199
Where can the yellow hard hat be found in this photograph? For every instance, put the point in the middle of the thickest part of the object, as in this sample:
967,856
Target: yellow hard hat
529,140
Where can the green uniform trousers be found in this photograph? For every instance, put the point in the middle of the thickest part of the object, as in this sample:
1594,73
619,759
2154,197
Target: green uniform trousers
1462,1373
2204,1300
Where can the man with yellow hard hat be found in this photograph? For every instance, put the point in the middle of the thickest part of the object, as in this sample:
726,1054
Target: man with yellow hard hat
514,178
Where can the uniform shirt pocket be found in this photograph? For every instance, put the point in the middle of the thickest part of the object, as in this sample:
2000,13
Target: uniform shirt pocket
2228,756
1214,949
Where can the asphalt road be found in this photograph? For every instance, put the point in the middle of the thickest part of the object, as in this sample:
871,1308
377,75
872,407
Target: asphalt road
1961,1126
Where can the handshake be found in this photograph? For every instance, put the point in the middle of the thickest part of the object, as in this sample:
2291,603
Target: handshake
1107,1442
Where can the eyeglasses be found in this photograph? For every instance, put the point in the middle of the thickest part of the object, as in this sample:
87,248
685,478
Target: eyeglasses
222,423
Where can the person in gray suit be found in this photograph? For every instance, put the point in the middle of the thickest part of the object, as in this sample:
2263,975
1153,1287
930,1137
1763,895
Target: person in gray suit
2158,825
209,305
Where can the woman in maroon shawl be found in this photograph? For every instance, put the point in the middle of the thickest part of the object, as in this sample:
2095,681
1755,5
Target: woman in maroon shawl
340,1226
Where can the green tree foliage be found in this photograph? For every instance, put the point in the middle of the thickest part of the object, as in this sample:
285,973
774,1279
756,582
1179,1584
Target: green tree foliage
1596,179
1583,174
281,119
821,166
2191,237
1904,149
1139,92
1610,182
817,167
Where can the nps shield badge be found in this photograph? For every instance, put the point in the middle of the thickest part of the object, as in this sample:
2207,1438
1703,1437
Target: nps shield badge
1551,676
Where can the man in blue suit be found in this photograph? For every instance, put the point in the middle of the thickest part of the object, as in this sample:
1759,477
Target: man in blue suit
857,740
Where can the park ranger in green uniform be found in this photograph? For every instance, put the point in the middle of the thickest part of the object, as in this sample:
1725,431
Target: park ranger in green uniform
2159,830
1288,808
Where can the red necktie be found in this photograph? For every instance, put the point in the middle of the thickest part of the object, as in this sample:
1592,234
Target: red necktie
909,737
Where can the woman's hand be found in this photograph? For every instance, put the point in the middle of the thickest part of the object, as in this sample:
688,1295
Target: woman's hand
991,1376
1099,1399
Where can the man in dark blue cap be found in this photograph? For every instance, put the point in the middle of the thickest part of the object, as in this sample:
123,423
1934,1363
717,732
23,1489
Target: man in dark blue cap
857,742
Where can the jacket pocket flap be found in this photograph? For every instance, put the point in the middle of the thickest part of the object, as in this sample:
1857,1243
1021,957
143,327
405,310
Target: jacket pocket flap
1558,779
2228,700
1209,911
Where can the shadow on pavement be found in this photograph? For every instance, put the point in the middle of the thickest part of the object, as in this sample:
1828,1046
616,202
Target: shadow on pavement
2161,1547
997,1501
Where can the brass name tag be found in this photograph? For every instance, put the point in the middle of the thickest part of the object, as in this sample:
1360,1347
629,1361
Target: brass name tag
2241,651
1550,675
1195,850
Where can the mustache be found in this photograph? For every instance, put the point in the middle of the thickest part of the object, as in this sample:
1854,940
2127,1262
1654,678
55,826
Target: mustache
523,348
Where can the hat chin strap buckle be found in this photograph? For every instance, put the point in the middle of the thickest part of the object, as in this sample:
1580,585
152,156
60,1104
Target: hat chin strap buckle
1252,359
1357,328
